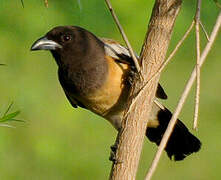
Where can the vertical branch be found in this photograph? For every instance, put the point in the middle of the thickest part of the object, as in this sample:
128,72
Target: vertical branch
131,135
197,97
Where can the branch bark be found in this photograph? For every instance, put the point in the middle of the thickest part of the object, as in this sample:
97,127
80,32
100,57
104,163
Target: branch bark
130,137
197,96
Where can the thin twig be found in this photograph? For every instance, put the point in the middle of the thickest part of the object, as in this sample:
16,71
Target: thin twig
46,3
182,99
163,65
22,3
123,35
197,96
177,47
79,4
133,126
204,30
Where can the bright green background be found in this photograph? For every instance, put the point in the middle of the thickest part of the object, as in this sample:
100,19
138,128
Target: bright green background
59,142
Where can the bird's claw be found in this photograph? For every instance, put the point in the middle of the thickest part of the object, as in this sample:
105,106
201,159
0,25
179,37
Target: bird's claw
113,157
133,75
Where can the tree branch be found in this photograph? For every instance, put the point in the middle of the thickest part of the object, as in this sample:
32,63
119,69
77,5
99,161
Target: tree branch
123,35
182,99
131,135
197,96
204,30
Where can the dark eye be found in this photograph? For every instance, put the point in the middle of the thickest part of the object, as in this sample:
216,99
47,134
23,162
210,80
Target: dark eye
66,37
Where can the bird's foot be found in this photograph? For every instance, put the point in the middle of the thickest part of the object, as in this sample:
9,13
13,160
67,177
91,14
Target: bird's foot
113,157
133,75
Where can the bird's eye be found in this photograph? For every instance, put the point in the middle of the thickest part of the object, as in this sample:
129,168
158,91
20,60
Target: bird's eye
66,37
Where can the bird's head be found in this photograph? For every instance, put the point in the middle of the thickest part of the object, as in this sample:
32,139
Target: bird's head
70,42
60,38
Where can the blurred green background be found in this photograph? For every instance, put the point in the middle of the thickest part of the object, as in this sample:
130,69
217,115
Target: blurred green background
59,142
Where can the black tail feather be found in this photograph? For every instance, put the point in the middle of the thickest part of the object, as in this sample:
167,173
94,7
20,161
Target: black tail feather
181,142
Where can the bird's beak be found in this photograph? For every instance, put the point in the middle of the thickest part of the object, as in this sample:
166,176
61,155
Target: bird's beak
45,44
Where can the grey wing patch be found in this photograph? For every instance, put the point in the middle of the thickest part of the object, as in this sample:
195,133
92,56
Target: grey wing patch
117,51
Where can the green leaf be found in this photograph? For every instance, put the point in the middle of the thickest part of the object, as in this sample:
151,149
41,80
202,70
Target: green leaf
6,125
9,117
9,107
18,120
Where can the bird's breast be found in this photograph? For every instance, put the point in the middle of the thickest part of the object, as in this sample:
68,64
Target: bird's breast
112,93
107,99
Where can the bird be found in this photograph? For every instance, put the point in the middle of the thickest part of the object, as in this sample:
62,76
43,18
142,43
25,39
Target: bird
95,74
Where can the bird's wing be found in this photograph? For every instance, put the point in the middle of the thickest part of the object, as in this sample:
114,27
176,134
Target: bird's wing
117,51
66,87
121,54
74,102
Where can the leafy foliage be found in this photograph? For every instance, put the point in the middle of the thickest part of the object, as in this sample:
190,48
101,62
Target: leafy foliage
9,117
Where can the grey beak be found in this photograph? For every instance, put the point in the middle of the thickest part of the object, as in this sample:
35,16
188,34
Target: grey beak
45,44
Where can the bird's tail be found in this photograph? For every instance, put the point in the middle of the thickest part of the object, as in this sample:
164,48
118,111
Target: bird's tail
181,142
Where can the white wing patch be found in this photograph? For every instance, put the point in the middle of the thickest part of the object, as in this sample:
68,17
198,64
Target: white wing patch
113,49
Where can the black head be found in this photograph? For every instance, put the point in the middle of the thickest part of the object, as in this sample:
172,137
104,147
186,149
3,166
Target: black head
66,41
61,37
